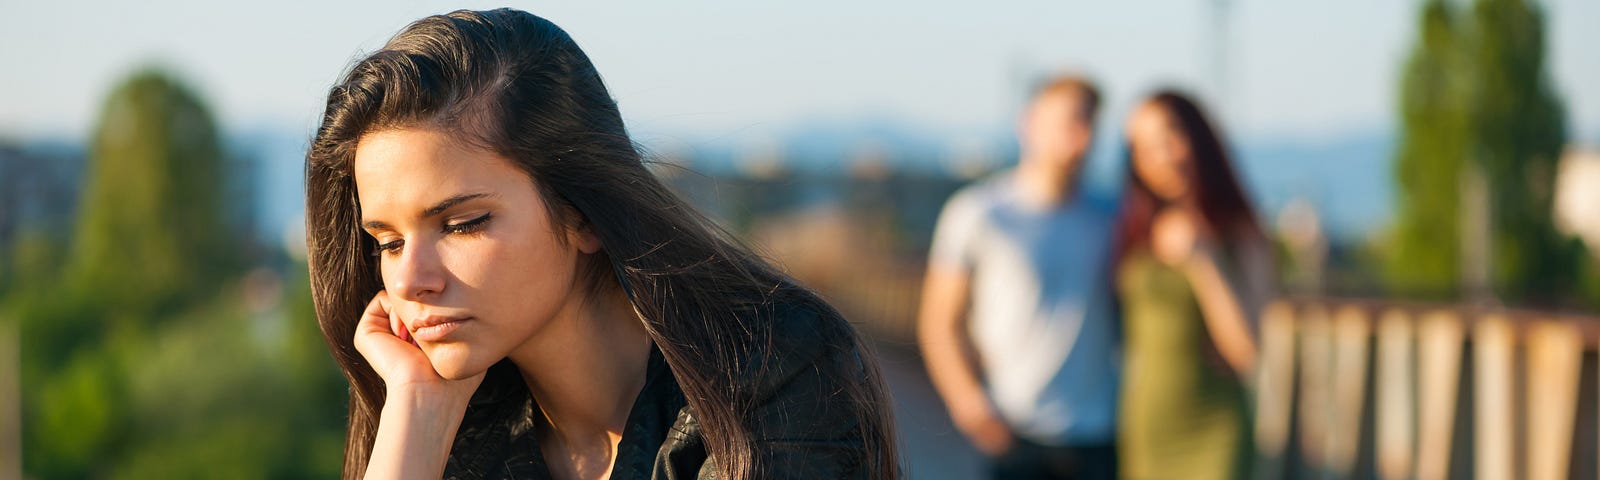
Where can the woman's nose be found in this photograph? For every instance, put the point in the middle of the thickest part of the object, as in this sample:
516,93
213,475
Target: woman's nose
416,275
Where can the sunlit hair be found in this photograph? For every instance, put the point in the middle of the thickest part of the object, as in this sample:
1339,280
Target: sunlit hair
1073,83
1223,205
518,85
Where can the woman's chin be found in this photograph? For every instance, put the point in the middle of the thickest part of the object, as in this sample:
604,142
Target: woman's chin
455,362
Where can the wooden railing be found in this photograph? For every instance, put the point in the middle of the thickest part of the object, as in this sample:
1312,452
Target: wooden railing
1345,388
1355,389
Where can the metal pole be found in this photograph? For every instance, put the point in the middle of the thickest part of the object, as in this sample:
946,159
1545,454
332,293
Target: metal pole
1220,101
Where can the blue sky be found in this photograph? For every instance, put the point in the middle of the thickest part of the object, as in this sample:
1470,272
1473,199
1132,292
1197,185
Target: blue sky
743,71
1306,89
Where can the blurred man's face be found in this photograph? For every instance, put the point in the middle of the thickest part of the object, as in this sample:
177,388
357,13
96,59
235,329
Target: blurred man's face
1054,129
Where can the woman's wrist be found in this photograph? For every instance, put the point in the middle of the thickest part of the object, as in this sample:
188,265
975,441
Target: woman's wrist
426,409
1202,257
415,432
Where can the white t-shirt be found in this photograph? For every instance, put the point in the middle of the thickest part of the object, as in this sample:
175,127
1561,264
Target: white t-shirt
1041,310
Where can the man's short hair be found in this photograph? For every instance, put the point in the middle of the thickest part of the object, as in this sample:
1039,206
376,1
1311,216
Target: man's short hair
1073,83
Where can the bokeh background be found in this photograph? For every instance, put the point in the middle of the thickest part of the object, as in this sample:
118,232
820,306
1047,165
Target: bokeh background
155,320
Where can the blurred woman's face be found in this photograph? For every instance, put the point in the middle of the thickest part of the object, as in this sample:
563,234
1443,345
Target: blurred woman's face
473,264
1160,153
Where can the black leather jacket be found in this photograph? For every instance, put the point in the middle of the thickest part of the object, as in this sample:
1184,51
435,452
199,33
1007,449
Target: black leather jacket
804,428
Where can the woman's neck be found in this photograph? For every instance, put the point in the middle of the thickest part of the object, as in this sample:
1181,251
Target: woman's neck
585,369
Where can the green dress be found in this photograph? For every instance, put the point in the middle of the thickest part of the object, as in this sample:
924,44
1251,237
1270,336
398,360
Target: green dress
1182,417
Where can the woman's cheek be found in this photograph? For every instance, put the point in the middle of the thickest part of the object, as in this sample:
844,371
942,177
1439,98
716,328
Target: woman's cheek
468,259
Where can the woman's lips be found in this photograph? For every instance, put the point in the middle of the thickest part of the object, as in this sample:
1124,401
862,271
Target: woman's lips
434,329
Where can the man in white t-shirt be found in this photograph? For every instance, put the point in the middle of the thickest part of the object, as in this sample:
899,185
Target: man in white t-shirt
1018,326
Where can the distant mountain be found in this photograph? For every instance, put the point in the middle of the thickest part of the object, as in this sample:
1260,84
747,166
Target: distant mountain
1347,177
827,146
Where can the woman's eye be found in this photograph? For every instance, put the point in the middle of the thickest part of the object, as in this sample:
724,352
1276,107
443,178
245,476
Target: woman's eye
474,225
391,246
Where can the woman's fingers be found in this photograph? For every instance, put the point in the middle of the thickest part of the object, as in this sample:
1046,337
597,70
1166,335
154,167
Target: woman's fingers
398,328
380,317
376,316
381,337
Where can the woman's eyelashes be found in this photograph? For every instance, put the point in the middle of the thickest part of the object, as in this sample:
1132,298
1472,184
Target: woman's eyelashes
467,227
391,246
474,225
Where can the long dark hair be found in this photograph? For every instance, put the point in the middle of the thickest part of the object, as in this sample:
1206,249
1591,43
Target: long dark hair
1223,204
518,85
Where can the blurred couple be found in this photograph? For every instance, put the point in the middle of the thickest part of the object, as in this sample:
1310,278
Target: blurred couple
1074,336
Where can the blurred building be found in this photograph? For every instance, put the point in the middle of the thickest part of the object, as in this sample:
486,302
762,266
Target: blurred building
1577,196
38,189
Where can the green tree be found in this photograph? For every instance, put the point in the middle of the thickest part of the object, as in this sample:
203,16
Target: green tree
1425,252
149,232
147,240
1475,94
1518,131
141,358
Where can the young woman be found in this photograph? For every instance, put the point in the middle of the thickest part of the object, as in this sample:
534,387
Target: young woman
512,294
1193,268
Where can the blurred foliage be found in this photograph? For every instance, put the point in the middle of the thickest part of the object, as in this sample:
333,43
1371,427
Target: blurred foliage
147,350
152,207
1475,94
1519,123
1426,250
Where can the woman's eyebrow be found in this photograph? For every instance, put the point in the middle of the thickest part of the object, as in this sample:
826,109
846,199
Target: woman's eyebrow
445,204
371,225
432,211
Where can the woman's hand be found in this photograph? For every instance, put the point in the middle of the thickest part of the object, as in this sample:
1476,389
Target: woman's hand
382,338
422,409
1174,233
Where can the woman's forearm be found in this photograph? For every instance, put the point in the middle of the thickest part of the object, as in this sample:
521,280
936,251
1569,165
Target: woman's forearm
414,434
1225,315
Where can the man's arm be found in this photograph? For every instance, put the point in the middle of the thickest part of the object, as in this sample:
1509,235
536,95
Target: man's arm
952,359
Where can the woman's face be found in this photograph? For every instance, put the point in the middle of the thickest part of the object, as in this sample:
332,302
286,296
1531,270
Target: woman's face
473,264
1161,154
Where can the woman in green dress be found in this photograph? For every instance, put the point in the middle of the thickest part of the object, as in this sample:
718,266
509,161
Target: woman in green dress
1192,267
